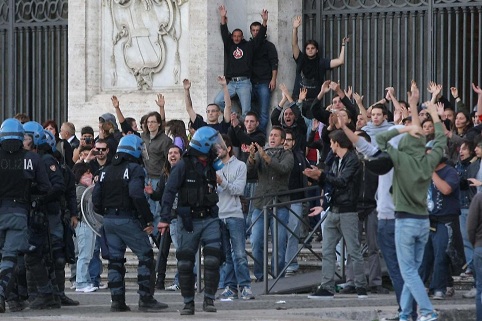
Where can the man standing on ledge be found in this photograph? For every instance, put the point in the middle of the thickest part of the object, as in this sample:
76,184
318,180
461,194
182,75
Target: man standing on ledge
239,60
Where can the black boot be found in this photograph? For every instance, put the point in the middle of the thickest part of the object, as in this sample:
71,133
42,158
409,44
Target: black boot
188,309
66,301
2,304
208,305
17,305
44,301
149,304
160,281
119,304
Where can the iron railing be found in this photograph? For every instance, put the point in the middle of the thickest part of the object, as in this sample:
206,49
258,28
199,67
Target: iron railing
33,59
395,41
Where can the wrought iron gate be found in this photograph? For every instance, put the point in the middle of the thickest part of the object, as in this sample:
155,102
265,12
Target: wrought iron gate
395,41
33,59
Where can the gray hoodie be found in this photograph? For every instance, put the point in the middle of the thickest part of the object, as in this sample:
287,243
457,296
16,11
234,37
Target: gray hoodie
108,117
233,175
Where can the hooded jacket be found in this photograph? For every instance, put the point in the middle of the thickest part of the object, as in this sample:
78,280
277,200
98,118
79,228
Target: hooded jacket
372,130
233,175
299,126
413,169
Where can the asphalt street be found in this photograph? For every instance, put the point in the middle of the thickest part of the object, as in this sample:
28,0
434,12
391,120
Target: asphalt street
95,306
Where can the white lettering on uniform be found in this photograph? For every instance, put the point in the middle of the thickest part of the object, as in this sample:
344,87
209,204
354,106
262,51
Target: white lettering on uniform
126,174
102,175
27,164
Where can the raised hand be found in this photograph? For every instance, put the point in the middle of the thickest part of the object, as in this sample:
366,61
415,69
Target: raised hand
115,101
358,98
325,87
413,94
222,11
160,100
264,15
303,93
297,22
345,40
454,91
349,92
334,86
186,83
477,89
222,80
390,93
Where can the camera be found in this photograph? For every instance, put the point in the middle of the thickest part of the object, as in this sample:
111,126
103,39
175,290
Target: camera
88,140
96,152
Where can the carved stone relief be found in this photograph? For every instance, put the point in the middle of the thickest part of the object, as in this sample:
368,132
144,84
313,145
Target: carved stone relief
145,36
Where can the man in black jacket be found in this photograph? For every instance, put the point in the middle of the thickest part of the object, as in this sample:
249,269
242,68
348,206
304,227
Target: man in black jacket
239,60
341,217
265,72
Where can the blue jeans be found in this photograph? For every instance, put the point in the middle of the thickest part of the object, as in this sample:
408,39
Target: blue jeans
435,262
477,259
468,248
235,268
262,94
242,89
155,206
294,225
386,241
86,245
257,239
411,236
95,264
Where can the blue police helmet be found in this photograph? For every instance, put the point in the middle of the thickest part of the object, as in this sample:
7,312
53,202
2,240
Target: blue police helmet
50,140
206,138
35,130
130,144
11,129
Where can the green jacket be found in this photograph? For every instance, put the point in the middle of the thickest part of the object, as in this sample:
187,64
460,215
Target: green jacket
413,168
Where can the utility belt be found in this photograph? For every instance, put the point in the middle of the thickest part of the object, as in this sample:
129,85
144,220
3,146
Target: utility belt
119,213
201,213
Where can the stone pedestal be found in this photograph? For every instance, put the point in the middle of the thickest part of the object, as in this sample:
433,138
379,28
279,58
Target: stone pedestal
135,49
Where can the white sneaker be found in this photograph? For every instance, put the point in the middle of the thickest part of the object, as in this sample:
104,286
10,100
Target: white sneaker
73,285
103,286
173,287
87,289
470,294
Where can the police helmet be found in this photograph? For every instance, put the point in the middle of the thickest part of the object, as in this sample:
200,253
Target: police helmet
11,129
205,139
35,130
50,140
131,144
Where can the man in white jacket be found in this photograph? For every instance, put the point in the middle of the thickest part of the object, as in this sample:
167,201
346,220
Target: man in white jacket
231,181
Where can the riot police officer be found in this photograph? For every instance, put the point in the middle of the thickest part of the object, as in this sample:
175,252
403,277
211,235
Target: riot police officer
46,255
18,170
119,196
194,179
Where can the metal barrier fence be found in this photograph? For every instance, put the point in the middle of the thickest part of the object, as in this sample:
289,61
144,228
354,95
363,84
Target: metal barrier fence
266,215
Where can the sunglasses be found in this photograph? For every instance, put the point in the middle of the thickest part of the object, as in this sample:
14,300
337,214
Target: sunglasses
101,149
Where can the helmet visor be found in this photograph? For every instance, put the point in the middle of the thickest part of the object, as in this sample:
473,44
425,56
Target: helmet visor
218,145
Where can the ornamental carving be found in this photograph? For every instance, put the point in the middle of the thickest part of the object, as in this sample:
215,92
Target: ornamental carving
140,30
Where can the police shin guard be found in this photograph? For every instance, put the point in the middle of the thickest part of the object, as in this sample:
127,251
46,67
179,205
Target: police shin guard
212,259
147,280
116,275
60,282
37,276
185,265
